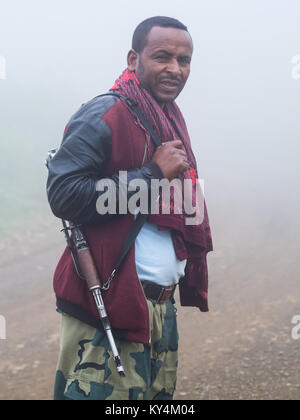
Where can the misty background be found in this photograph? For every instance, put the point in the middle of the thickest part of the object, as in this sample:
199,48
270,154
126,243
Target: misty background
241,106
241,103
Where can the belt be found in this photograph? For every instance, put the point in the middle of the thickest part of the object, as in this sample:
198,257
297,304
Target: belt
158,293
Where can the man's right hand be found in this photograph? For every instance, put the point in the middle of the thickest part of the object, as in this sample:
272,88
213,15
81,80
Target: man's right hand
171,158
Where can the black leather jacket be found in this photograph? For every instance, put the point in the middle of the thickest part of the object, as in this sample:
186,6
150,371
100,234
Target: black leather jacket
79,163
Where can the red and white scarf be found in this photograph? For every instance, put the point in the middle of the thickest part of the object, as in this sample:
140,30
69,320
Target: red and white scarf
191,242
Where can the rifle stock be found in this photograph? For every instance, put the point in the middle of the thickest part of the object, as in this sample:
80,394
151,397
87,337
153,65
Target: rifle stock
88,268
89,273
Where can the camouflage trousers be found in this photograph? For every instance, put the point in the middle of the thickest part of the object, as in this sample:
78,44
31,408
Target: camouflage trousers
86,369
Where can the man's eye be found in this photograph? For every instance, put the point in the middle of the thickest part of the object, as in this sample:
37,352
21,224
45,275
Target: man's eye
185,60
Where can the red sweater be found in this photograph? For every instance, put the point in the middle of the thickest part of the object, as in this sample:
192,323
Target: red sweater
125,300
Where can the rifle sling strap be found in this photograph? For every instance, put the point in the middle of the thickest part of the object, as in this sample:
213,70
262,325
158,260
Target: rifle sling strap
141,218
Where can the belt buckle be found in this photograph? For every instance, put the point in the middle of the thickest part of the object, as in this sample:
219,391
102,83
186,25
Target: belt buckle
163,292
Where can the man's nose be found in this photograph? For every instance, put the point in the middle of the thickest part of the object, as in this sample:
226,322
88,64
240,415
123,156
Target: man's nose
174,68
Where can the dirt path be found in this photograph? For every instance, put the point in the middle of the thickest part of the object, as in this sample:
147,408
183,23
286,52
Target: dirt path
241,349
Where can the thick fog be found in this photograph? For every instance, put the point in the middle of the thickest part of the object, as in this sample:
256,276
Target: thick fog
241,105
241,102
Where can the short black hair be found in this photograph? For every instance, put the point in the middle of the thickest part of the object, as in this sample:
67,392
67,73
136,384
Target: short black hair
139,39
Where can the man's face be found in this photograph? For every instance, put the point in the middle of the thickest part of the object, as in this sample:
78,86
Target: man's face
163,67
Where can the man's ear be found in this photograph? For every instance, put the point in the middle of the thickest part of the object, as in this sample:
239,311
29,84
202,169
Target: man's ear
132,60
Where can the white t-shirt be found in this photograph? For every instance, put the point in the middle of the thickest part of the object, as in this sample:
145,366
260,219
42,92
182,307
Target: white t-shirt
155,257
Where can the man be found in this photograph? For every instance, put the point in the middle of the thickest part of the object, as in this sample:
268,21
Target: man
103,138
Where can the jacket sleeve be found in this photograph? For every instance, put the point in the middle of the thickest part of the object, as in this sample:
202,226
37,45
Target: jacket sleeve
78,165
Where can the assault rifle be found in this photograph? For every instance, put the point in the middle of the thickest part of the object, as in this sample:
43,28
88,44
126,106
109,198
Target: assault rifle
86,270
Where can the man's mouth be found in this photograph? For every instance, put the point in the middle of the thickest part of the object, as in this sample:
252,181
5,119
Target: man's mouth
169,85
